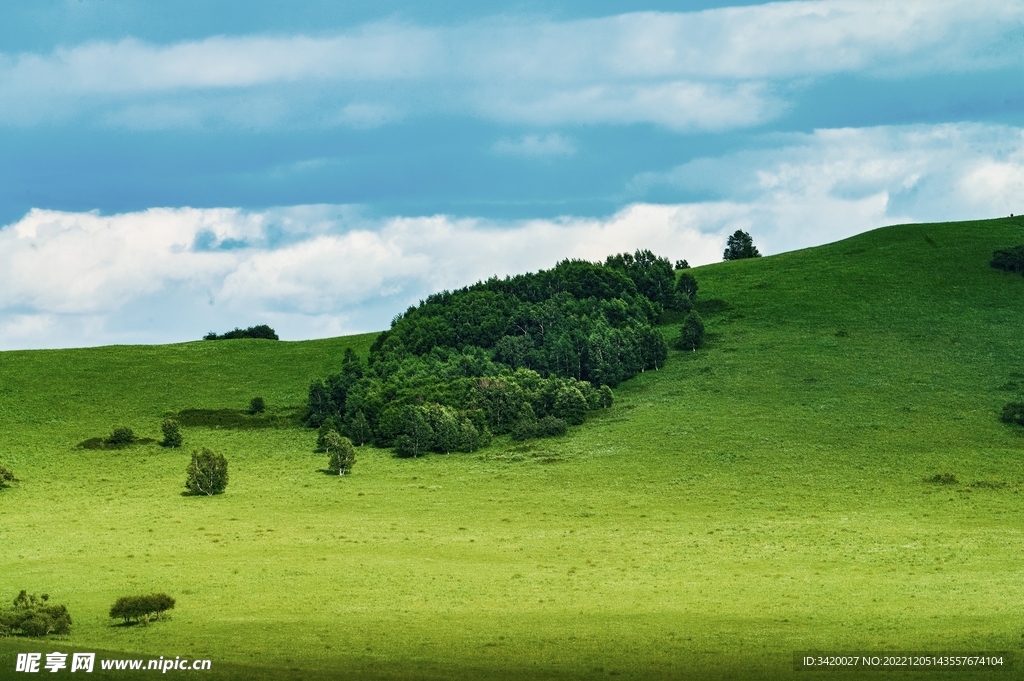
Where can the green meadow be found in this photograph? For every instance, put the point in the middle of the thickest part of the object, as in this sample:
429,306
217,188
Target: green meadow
764,495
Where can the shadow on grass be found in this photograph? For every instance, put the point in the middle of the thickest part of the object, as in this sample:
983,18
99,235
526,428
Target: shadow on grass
238,419
101,443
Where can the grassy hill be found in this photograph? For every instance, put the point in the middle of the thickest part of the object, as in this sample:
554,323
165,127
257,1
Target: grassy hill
762,496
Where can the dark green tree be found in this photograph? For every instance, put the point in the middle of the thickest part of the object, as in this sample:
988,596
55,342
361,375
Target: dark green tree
121,436
257,406
141,608
416,436
207,473
606,397
525,427
359,429
550,426
570,406
172,433
687,285
740,246
691,333
326,428
1009,259
682,265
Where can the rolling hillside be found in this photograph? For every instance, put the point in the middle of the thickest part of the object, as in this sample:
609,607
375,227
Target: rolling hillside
765,495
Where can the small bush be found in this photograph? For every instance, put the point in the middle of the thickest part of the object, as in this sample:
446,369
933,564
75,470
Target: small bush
172,433
691,333
121,436
571,406
1013,412
6,477
682,265
943,479
32,615
257,406
1009,259
141,608
551,426
207,473
605,397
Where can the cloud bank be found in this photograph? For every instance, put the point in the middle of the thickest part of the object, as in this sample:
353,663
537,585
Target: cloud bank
168,274
710,70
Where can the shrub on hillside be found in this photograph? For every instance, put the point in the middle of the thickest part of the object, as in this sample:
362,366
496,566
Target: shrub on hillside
32,615
570,406
740,246
258,331
172,433
207,473
6,477
120,437
691,333
257,406
682,265
1013,412
1009,259
141,608
551,426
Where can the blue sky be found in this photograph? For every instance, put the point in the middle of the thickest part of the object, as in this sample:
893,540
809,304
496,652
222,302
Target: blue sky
167,169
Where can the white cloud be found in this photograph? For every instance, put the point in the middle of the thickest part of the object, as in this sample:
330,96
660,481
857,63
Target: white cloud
551,145
85,278
699,70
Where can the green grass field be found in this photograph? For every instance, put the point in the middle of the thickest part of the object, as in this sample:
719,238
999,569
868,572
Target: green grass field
762,496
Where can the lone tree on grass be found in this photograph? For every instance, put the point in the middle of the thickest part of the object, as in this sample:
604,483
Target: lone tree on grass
740,246
691,334
141,608
257,406
172,433
207,473
121,436
342,455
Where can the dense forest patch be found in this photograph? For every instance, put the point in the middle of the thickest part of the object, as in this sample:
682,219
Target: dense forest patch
528,354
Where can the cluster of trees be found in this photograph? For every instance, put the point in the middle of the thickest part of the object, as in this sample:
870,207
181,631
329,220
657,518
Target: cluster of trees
32,615
1009,259
464,365
141,608
207,473
258,331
